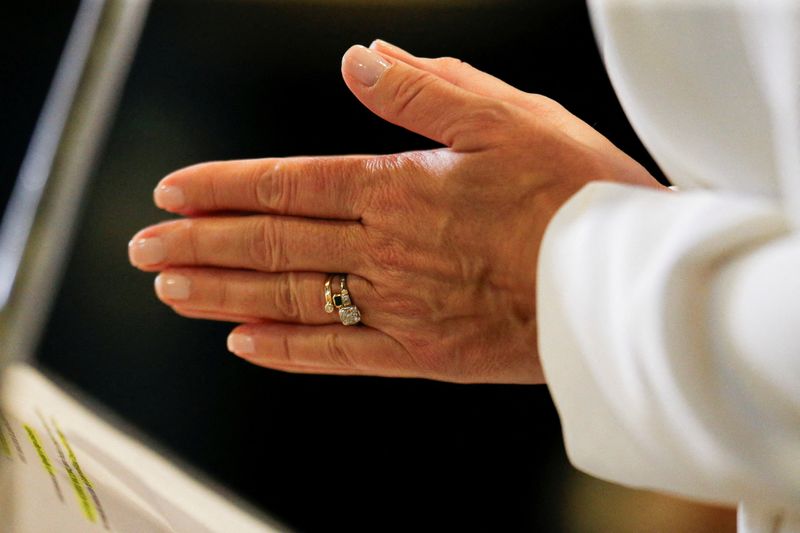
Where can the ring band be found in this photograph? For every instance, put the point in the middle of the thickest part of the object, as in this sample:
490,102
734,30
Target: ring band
328,295
349,314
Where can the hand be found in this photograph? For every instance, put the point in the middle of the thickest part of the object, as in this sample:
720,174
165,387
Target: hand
440,246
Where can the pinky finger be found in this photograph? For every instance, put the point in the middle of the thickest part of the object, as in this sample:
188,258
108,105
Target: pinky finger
329,348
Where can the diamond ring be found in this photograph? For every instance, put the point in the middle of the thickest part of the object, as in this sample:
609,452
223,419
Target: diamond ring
348,312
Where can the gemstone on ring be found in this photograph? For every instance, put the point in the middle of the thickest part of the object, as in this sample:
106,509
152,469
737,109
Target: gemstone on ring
346,301
349,315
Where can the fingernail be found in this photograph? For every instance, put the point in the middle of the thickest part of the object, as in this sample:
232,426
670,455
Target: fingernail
149,251
241,344
173,286
364,65
169,197
380,43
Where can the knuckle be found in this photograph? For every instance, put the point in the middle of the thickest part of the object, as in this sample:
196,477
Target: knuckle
397,176
286,350
361,196
544,106
492,113
255,244
393,163
492,121
274,188
264,245
336,351
211,192
191,240
223,296
285,297
407,92
450,63
540,100
384,164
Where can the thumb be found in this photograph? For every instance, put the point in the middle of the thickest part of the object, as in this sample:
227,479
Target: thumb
421,101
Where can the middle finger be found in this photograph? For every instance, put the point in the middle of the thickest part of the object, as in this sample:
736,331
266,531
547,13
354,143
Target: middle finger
264,243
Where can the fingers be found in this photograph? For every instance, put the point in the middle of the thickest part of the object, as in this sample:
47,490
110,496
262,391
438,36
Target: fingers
321,187
421,101
332,348
265,243
480,83
219,317
458,73
246,296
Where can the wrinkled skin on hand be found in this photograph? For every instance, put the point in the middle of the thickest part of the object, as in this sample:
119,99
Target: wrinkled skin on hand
440,246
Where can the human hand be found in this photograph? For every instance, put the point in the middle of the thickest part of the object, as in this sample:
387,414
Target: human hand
440,246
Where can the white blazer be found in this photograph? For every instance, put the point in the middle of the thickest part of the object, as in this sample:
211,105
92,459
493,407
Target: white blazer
669,322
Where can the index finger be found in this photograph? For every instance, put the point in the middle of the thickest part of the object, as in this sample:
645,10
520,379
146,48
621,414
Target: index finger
320,187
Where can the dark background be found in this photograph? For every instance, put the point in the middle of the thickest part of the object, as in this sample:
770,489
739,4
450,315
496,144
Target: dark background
219,80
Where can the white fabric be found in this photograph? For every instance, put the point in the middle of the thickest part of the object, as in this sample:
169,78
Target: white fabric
669,322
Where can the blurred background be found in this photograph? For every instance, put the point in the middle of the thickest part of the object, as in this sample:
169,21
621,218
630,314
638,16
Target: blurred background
239,79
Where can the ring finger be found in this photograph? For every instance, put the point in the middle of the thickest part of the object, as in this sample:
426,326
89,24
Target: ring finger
296,297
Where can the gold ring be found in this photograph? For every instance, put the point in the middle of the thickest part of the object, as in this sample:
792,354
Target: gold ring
328,295
349,314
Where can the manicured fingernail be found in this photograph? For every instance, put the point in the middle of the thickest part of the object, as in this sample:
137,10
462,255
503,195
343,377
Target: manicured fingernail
169,197
241,344
149,251
173,286
380,43
364,65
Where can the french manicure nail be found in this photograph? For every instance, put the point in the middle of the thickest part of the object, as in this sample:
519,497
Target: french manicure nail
380,43
150,251
173,286
169,197
241,344
364,65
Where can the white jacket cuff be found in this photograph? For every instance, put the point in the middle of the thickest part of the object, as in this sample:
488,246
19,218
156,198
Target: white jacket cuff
624,310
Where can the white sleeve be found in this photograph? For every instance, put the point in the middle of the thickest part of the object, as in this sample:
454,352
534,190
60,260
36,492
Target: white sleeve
669,331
